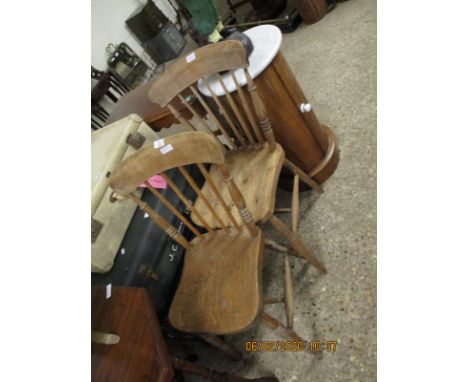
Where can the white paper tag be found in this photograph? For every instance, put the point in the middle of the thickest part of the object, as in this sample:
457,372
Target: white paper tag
145,215
108,291
122,251
190,57
166,149
158,143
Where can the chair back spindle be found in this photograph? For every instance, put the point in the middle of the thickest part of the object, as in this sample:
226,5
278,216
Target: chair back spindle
260,110
170,230
235,109
174,210
224,112
188,204
219,125
246,108
199,118
216,191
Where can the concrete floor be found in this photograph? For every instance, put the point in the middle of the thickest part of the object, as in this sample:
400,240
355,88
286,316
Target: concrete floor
335,62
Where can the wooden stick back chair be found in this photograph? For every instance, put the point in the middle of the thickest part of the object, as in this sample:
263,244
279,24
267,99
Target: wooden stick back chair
220,291
242,126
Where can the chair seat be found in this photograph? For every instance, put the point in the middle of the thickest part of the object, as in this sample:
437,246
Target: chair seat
256,172
220,287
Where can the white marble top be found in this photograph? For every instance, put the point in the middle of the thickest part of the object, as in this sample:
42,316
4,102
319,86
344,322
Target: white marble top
266,40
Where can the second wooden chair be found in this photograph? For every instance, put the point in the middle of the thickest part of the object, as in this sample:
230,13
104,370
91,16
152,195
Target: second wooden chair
253,157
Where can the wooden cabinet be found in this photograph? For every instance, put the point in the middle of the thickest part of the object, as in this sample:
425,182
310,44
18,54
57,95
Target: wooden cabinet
140,354
307,143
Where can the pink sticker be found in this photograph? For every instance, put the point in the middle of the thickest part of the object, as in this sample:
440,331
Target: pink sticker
156,181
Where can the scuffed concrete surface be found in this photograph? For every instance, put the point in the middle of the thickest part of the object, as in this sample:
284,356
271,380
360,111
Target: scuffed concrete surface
335,63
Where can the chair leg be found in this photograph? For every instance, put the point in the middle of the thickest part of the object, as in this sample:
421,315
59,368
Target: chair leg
296,243
288,292
212,375
221,345
288,284
302,175
279,328
281,248
295,205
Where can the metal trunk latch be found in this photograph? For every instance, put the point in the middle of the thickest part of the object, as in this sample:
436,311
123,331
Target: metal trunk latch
135,140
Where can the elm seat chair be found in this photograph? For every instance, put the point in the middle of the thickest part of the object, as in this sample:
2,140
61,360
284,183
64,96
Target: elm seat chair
252,155
220,290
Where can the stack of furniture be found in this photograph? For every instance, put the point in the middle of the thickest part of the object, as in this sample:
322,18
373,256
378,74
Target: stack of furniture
231,144
107,86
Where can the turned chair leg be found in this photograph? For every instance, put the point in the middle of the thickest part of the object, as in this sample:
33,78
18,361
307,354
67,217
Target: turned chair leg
288,292
216,342
296,243
212,375
286,333
281,248
279,328
288,284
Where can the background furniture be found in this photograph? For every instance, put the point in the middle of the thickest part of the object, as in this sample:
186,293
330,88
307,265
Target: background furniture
107,86
127,343
159,37
140,354
125,64
309,144
265,9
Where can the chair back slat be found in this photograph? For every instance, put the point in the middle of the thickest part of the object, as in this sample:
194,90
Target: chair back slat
235,110
170,152
224,112
247,109
170,230
200,194
241,117
174,210
188,204
219,125
217,192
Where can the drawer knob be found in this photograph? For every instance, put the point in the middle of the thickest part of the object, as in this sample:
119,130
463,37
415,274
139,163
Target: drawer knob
305,107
